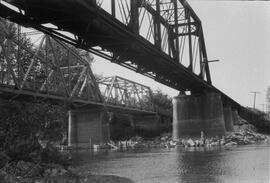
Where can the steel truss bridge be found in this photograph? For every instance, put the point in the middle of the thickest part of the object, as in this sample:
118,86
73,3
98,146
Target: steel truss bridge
123,92
52,70
161,39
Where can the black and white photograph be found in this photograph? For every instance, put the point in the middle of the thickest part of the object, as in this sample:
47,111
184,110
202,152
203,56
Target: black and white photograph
134,91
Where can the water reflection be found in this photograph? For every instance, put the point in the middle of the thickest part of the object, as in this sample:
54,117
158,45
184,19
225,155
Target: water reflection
202,165
199,165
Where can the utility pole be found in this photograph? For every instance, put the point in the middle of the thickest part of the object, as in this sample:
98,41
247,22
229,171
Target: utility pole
254,101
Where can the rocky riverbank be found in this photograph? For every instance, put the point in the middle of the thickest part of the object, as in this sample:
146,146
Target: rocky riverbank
55,167
244,134
28,172
51,166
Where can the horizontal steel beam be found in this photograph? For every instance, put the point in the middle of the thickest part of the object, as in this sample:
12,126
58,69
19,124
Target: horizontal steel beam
13,93
101,21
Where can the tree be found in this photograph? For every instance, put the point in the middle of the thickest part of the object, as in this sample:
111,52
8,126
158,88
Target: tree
23,123
268,100
12,57
162,100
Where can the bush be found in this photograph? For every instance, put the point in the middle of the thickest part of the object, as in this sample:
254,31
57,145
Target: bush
23,124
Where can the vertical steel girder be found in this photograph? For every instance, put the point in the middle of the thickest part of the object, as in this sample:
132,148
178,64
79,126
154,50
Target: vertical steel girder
164,23
116,24
51,68
167,23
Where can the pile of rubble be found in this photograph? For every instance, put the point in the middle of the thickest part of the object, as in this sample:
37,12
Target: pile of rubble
137,142
244,134
244,137
233,138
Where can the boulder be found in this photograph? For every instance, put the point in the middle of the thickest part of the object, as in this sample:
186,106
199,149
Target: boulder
190,143
230,144
164,138
172,143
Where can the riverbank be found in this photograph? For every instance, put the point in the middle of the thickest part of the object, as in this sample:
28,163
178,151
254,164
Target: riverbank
49,166
60,169
244,134
28,172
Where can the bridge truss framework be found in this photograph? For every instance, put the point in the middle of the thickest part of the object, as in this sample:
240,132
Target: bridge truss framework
117,34
54,70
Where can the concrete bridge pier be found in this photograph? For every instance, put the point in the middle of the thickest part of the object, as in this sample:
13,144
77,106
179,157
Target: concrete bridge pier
87,127
228,118
235,117
193,114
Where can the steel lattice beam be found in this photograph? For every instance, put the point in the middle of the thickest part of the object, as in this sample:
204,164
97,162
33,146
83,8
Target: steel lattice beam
54,71
165,21
120,91
52,68
123,92
117,34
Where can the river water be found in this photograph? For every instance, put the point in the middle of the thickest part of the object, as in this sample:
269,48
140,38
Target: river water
249,164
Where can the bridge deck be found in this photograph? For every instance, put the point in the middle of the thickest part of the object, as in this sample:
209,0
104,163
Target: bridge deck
99,28
95,27
13,93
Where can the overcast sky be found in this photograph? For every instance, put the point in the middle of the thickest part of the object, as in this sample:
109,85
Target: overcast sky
238,34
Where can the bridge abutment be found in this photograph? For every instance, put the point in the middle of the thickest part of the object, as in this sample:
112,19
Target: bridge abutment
193,114
228,118
88,127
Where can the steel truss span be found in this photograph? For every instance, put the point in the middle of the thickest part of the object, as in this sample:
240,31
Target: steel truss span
53,70
120,91
50,70
161,39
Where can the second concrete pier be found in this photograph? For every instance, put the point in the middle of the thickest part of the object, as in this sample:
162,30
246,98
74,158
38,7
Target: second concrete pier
193,114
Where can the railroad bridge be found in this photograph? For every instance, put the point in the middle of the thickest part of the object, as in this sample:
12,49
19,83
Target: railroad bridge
161,39
57,72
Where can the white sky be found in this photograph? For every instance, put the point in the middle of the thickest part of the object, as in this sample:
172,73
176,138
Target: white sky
238,34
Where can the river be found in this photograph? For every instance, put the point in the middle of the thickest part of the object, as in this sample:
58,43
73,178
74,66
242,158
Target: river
247,164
